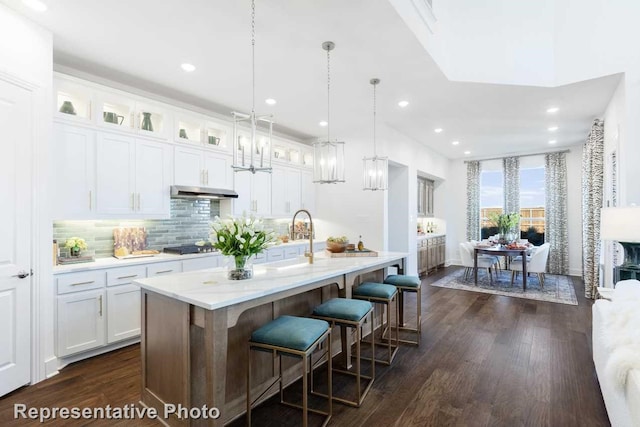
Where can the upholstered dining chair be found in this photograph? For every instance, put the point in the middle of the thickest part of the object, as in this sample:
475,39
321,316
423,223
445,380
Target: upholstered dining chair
466,255
537,263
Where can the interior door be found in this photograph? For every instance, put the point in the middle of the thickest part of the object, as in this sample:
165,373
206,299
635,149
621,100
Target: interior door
15,234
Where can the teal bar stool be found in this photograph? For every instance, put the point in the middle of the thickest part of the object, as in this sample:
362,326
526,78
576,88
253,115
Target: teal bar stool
408,284
350,313
296,337
384,295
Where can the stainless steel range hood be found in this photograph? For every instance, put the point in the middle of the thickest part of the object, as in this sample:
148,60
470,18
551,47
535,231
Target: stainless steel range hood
186,192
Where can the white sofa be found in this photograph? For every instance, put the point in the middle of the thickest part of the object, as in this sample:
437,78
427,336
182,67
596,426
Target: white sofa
623,403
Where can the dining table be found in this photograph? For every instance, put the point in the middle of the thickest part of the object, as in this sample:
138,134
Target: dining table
501,250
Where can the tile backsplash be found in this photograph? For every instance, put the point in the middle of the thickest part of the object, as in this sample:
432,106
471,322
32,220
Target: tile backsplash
189,223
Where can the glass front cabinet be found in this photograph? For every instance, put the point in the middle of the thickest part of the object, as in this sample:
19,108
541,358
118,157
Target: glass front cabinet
425,197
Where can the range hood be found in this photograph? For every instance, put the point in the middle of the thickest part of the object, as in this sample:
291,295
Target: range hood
186,192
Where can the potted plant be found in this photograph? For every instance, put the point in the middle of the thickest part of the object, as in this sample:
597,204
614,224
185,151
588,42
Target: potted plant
507,225
240,238
75,245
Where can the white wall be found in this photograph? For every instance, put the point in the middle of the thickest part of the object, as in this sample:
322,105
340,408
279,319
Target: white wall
345,209
26,54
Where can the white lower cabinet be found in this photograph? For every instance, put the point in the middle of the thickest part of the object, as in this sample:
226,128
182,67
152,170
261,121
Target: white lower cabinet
275,254
81,321
123,312
164,268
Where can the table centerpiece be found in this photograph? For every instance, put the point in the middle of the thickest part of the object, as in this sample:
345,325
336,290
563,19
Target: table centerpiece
240,237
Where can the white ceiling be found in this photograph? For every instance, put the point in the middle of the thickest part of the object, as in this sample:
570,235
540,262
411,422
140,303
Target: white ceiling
143,42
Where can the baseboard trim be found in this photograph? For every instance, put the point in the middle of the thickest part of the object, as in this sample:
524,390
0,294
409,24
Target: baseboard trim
51,367
64,361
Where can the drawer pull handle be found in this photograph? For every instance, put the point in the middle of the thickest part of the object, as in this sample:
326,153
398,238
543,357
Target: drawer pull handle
127,277
83,283
100,305
164,271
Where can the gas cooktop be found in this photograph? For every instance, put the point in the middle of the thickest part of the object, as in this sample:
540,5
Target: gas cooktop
188,249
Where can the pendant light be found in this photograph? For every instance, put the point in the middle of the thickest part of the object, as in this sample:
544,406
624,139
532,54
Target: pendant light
375,168
257,153
328,156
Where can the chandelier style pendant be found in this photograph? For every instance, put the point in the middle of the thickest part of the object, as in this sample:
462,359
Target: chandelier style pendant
375,168
249,153
328,156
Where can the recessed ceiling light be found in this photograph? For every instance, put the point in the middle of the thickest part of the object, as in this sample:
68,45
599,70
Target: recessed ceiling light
36,5
456,142
553,141
467,152
552,128
403,104
552,110
270,101
438,130
188,67
323,123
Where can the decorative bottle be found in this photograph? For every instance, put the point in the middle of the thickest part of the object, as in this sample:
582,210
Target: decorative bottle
360,244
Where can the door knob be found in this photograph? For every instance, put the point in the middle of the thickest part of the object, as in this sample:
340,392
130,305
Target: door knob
21,274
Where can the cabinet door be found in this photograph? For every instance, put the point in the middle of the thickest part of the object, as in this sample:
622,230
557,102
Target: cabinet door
242,186
279,200
152,181
187,167
74,165
115,174
217,170
80,322
261,191
308,192
123,312
293,191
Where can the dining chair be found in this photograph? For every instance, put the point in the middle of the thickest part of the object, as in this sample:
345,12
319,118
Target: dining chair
537,263
466,256
493,258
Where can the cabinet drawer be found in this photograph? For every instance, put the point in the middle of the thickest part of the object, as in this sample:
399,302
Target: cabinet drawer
74,282
292,252
163,268
275,254
260,258
125,275
200,263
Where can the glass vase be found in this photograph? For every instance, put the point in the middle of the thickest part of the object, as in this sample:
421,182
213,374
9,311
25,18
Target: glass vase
75,252
243,268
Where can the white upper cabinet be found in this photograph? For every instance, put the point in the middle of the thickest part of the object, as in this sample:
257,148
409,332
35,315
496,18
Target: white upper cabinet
254,193
74,163
202,168
286,188
132,177
72,102
308,193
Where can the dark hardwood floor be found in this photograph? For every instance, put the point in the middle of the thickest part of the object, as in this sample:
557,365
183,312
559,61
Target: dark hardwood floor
485,360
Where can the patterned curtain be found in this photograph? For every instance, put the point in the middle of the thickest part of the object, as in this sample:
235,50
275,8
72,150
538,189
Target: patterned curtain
473,201
511,167
592,193
555,223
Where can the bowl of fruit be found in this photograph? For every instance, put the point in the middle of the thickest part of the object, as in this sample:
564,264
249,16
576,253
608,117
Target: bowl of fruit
337,244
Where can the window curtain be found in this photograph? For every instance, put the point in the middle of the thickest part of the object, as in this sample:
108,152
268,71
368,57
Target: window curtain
473,200
592,193
555,223
511,168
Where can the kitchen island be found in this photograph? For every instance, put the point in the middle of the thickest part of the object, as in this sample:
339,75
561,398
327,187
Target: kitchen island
195,327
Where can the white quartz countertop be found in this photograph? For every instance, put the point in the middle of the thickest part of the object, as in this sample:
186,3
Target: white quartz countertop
210,289
111,262
430,235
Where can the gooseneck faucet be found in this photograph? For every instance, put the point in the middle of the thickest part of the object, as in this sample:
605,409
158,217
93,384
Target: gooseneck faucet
293,233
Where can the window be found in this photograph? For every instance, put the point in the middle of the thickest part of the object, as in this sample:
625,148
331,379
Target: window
491,195
532,197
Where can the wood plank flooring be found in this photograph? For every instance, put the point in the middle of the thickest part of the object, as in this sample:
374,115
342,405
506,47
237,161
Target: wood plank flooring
485,360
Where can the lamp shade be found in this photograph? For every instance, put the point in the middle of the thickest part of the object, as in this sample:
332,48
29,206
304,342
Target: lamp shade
375,173
328,162
620,224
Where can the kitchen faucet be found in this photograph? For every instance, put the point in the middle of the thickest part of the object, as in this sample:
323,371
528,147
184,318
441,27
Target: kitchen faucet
293,233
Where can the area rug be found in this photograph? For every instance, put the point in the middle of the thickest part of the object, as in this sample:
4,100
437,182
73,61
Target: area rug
557,289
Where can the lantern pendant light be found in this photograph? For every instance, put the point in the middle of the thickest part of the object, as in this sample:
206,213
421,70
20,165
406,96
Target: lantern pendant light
257,153
375,168
328,156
